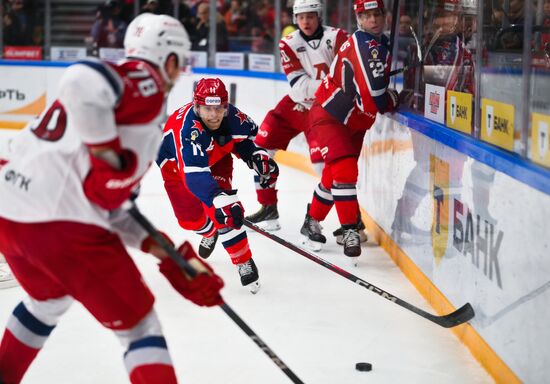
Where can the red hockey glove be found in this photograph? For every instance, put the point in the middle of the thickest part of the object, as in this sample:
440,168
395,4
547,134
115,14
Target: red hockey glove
203,289
149,245
229,210
393,100
109,187
265,167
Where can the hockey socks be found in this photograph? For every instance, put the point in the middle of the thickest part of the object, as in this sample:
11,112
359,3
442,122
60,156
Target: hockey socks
321,203
267,196
148,361
23,338
345,201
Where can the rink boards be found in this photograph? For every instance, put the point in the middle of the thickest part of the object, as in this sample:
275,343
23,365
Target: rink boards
471,226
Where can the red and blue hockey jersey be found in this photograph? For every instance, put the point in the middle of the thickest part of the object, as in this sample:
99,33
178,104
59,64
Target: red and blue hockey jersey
358,79
191,148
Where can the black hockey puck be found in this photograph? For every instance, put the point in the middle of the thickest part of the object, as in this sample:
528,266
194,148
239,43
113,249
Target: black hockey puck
363,367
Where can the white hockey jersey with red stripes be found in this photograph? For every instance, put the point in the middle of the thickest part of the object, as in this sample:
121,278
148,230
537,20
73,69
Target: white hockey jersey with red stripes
43,167
307,61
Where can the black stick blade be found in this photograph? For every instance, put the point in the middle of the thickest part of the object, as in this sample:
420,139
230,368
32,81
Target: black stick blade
460,316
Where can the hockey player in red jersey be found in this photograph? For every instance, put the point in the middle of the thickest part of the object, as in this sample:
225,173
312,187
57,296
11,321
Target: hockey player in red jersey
197,167
63,181
345,108
306,55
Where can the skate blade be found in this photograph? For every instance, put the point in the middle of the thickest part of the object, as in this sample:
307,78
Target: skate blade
352,261
269,225
311,245
254,287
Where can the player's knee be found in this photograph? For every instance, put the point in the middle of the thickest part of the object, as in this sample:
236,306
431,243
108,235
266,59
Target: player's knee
146,327
48,311
344,171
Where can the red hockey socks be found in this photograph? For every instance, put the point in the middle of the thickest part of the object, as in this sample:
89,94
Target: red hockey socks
23,338
344,191
266,196
321,203
147,361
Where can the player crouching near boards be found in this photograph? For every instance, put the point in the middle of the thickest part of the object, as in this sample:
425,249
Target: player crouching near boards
306,55
197,167
62,230
345,108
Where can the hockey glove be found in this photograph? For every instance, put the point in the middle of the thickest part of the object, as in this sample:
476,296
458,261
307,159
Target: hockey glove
107,186
393,100
265,167
149,245
203,289
229,210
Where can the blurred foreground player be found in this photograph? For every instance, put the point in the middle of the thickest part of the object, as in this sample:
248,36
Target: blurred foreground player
306,55
63,181
196,164
345,108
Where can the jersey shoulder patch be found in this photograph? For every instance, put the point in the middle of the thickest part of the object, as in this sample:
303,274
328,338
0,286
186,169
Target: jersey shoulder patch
240,124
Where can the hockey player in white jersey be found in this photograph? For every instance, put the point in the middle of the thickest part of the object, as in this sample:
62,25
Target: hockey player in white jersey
306,55
63,181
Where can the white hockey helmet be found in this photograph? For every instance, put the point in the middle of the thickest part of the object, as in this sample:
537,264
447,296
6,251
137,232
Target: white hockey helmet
154,37
304,6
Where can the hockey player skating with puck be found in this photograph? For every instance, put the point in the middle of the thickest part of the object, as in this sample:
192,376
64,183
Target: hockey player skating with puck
61,227
306,55
197,166
345,108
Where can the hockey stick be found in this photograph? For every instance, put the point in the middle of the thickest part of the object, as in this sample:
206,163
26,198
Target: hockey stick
188,268
459,316
420,59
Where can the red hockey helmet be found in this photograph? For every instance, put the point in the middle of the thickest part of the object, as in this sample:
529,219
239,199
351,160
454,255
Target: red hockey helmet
210,92
365,5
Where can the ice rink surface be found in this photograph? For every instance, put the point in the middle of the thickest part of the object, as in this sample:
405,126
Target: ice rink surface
317,322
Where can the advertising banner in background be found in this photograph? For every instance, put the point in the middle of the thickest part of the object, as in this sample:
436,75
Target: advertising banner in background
497,123
434,105
22,95
111,54
459,111
540,141
67,53
199,59
261,62
230,60
22,53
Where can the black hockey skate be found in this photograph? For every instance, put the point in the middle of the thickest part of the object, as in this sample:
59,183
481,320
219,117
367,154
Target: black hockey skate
352,243
207,245
266,218
249,275
312,235
362,232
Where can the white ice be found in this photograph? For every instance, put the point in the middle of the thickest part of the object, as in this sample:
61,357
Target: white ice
317,322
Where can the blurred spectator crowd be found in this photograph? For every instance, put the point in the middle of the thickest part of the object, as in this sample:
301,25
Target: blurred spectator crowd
19,24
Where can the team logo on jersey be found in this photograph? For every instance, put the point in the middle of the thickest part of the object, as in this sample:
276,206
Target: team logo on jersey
196,130
242,117
372,43
374,53
329,44
301,49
